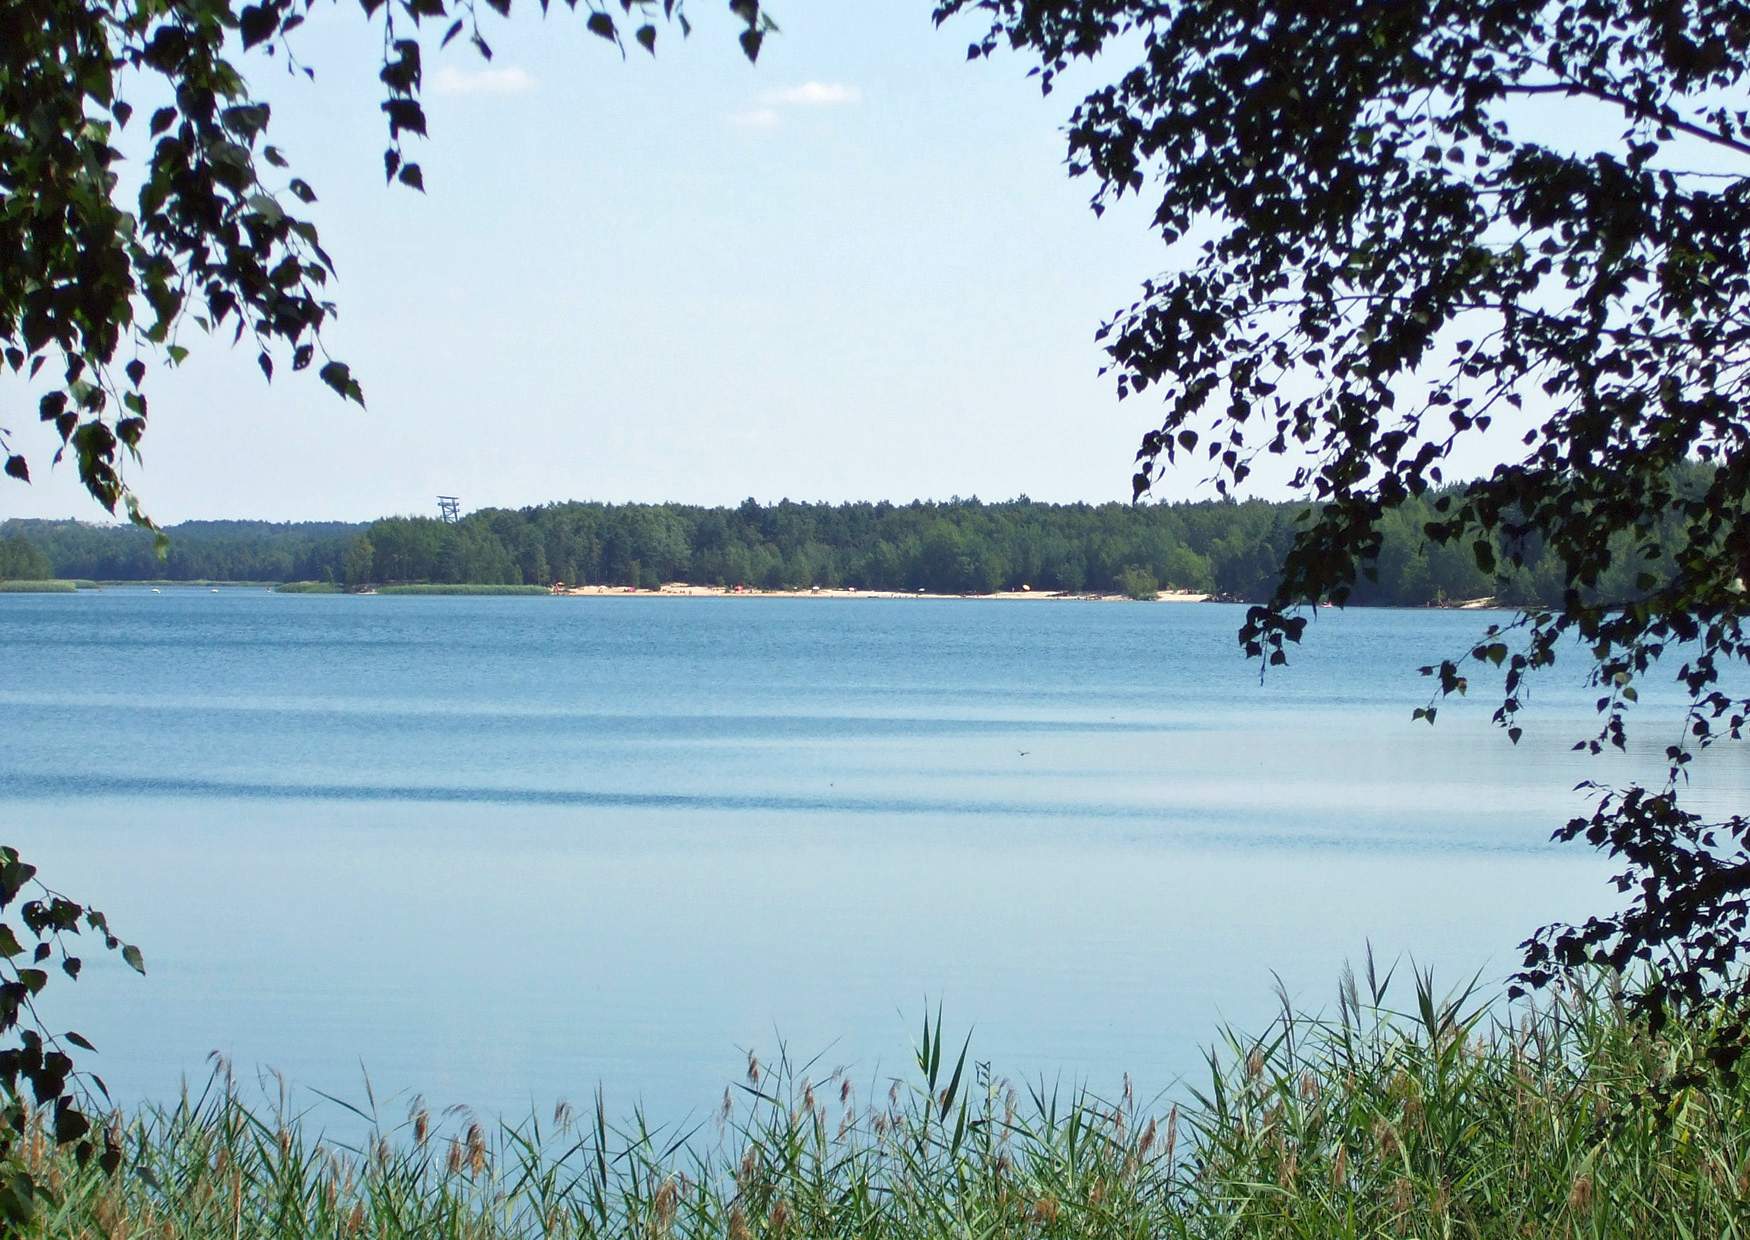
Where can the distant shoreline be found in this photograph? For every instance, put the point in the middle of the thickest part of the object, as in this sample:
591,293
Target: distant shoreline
678,589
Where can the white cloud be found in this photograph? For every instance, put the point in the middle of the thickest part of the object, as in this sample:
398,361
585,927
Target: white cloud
815,95
755,118
774,103
486,80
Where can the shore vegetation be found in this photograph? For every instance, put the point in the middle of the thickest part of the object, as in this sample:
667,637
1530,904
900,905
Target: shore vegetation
1451,1117
1220,548
431,587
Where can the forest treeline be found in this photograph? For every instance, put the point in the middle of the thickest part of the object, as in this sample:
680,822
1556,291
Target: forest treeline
958,547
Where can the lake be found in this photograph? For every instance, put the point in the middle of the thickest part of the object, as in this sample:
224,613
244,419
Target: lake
499,850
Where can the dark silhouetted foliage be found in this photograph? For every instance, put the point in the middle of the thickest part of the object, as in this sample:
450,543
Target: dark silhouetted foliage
1385,253
35,1058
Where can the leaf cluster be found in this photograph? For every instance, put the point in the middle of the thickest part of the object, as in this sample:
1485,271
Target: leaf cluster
1383,259
39,1088
97,290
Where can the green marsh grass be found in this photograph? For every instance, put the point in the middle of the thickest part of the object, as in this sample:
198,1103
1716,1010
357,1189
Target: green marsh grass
1443,1121
306,587
37,587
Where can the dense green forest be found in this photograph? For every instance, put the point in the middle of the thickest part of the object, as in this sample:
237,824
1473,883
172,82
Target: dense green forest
962,546
198,550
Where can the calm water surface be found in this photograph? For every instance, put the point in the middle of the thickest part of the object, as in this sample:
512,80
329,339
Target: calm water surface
498,850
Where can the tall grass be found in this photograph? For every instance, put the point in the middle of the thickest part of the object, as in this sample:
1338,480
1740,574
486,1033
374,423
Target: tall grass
306,587
1442,1121
37,587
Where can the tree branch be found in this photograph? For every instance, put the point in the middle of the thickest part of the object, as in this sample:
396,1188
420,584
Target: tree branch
1664,117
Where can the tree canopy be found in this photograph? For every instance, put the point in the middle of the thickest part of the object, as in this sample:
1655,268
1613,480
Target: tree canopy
1398,227
969,546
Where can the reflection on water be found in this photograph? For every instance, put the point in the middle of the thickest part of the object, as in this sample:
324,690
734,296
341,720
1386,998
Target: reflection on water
499,849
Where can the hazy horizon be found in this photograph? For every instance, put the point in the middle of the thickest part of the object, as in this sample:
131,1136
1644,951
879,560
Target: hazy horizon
856,268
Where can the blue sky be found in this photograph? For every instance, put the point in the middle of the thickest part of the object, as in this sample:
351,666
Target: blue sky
855,270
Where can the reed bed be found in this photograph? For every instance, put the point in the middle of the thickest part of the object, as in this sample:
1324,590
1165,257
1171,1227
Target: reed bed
37,587
1452,1119
306,587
